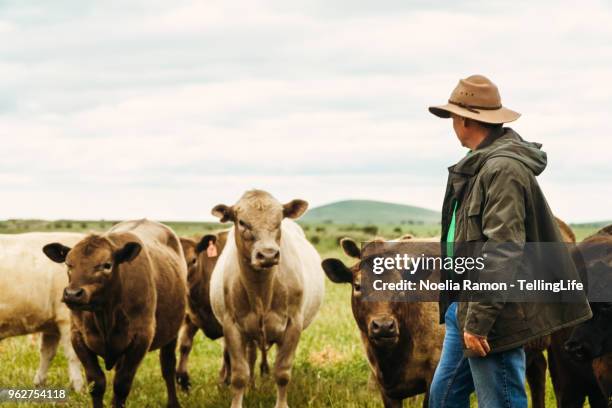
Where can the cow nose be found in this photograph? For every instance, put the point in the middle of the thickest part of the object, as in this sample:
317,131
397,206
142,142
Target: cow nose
74,295
268,256
383,327
576,349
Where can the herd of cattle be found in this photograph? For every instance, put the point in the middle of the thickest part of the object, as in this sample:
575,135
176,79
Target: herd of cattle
139,287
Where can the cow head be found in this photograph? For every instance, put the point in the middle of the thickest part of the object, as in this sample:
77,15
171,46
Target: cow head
257,220
592,338
379,321
93,268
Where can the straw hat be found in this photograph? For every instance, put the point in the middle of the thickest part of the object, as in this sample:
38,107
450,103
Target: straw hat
476,97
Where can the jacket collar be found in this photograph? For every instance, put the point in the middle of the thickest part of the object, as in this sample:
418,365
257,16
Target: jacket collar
472,162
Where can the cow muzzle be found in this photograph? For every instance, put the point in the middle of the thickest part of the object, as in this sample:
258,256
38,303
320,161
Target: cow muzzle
75,298
265,258
383,330
577,350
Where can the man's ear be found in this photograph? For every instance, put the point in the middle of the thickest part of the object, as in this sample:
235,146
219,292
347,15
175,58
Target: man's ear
350,248
294,208
204,242
56,252
336,271
224,213
127,253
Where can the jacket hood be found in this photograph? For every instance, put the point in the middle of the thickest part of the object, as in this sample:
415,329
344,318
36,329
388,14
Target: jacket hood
504,142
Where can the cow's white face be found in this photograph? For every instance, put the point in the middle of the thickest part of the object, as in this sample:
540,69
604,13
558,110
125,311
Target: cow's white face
257,218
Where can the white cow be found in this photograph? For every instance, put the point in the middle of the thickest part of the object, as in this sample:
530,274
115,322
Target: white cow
266,288
31,288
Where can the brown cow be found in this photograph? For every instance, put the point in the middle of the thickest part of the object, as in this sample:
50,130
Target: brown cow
573,380
534,350
126,292
590,343
403,340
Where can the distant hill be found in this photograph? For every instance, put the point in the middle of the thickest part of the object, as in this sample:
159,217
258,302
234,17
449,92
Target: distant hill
364,212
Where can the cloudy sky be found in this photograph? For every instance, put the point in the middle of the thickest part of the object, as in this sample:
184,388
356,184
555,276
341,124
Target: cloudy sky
123,109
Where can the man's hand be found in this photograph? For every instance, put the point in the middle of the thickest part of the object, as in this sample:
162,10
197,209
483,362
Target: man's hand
478,344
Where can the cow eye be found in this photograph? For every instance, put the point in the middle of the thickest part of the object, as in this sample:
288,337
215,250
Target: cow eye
357,286
248,235
242,224
107,265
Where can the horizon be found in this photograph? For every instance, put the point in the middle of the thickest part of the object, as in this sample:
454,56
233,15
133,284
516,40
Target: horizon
215,220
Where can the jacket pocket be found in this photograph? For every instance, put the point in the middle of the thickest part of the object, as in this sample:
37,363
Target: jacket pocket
473,227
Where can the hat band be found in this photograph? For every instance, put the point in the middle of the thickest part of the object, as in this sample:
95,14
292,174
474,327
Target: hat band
472,108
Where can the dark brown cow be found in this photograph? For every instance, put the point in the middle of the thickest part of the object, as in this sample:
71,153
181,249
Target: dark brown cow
590,343
534,350
127,295
403,340
201,258
574,380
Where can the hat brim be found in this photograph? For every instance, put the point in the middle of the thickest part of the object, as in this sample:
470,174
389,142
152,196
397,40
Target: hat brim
501,115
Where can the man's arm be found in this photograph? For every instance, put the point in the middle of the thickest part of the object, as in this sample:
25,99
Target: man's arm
503,221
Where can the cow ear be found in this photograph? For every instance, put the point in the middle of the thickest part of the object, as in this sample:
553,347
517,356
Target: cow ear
205,242
127,253
294,208
56,252
350,248
224,213
336,271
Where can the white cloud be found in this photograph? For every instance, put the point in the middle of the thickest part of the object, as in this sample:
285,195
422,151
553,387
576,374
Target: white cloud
164,109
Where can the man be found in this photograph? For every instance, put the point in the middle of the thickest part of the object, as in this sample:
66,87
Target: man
493,196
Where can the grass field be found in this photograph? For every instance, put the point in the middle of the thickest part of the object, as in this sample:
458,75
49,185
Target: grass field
330,368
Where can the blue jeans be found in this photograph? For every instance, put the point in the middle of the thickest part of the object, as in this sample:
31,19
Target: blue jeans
499,378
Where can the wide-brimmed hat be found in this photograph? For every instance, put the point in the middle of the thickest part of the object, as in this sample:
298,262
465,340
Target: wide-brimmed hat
476,97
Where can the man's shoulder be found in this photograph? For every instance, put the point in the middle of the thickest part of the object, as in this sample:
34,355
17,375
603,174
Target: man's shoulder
501,165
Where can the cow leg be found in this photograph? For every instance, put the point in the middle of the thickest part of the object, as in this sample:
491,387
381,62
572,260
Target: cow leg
74,366
48,348
536,377
167,359
392,403
284,361
252,357
126,369
188,331
598,400
264,368
93,372
226,368
236,347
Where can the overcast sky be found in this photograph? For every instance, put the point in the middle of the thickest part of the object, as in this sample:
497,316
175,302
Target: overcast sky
125,109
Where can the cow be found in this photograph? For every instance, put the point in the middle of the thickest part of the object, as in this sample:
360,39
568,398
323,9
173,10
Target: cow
31,288
266,288
127,295
591,342
403,340
534,349
201,257
573,379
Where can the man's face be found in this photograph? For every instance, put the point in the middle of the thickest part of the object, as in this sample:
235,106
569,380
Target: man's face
460,129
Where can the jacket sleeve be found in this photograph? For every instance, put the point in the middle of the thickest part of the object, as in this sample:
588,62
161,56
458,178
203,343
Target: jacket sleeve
503,221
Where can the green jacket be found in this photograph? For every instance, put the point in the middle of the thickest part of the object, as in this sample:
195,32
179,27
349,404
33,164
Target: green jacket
499,200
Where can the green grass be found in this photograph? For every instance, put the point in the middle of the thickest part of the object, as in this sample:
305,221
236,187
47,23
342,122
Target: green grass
330,369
